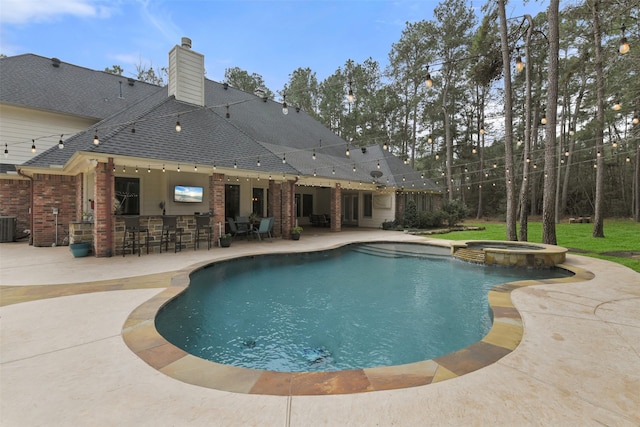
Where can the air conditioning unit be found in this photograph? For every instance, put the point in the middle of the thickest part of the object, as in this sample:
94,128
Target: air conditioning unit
7,228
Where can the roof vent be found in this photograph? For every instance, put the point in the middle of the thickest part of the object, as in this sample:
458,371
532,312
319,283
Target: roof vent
186,42
131,81
55,62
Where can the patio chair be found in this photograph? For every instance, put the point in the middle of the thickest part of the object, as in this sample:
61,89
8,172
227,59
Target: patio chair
234,229
242,224
171,229
203,229
264,228
132,234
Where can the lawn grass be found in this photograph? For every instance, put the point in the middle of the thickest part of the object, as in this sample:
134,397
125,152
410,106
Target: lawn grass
620,236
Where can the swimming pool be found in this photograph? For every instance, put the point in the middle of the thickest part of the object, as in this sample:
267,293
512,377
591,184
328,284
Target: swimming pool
355,307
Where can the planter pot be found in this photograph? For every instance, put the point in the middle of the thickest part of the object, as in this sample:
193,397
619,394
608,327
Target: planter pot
80,249
295,236
225,243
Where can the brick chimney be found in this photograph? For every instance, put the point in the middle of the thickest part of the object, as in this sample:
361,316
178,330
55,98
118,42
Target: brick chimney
186,74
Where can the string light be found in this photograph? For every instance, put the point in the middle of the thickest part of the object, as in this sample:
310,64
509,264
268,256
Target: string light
617,106
96,140
350,97
385,146
195,168
149,169
347,153
178,168
178,125
228,115
33,145
285,110
284,158
163,170
428,80
624,43
6,151
258,162
61,142
235,164
314,154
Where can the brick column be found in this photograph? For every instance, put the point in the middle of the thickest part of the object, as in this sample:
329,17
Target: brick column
274,207
288,208
336,208
217,202
103,244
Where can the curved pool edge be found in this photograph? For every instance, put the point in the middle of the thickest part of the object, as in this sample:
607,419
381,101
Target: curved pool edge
142,338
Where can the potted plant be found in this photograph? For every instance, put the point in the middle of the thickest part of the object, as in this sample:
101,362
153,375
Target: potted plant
80,249
225,240
295,232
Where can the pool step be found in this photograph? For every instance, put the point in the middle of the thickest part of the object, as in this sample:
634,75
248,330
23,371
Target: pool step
471,255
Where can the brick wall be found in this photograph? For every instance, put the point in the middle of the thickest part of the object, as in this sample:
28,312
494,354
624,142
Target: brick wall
15,200
49,192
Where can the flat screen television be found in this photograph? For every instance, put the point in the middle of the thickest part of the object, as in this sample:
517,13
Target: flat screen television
187,194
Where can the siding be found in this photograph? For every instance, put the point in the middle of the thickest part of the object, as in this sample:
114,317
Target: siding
18,126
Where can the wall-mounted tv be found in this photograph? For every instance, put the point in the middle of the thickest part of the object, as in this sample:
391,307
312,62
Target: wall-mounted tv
187,194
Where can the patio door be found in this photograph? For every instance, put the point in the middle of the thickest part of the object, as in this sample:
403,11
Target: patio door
350,209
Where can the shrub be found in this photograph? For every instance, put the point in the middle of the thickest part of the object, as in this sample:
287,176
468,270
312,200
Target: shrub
411,215
430,219
389,225
454,212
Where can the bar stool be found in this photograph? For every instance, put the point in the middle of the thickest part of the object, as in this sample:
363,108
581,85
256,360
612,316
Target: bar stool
132,233
170,227
203,225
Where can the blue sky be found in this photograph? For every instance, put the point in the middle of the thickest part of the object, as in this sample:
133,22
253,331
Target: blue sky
268,37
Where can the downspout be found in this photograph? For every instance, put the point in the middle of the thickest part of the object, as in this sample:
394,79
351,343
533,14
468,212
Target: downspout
30,178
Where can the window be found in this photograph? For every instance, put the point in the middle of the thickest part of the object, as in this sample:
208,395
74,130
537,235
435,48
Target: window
368,205
127,196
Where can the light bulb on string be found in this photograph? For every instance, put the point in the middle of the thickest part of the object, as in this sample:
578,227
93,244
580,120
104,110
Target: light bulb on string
617,106
6,150
96,140
350,97
178,125
61,142
624,43
33,145
285,109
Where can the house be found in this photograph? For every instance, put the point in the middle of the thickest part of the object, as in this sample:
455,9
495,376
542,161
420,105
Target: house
118,147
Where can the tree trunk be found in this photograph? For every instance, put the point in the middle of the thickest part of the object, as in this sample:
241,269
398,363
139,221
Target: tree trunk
572,144
549,192
508,125
598,222
524,186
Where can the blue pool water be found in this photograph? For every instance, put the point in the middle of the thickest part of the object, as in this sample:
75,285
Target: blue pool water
355,307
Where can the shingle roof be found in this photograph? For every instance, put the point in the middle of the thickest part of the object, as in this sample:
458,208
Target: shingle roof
255,130
33,81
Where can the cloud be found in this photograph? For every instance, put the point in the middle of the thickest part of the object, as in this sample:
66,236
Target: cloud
161,21
28,11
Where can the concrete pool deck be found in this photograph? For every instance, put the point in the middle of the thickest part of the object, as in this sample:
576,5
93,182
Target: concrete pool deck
63,360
